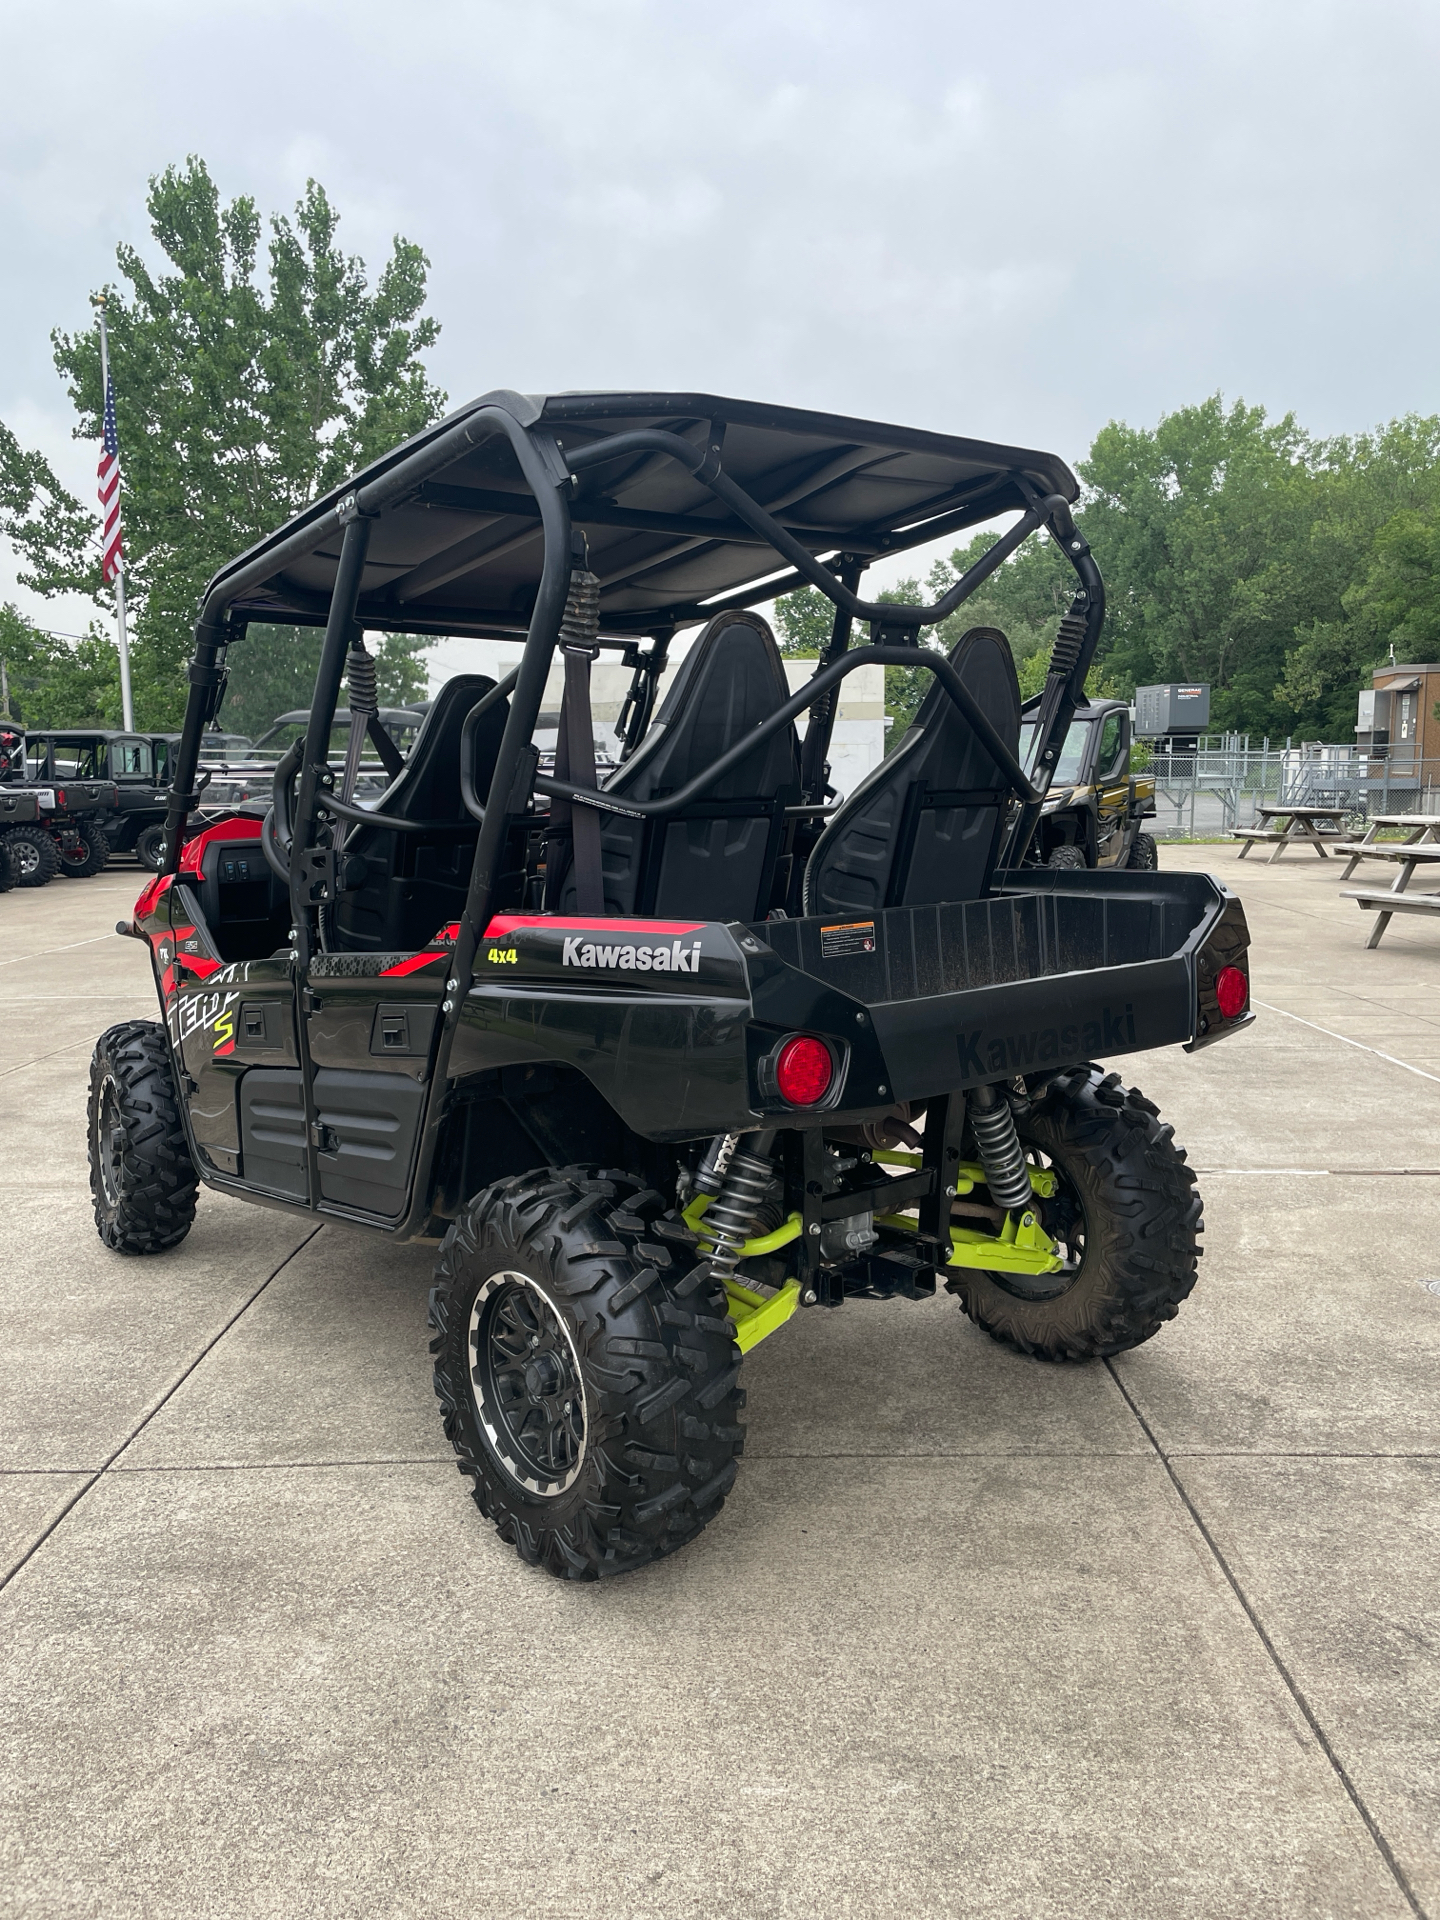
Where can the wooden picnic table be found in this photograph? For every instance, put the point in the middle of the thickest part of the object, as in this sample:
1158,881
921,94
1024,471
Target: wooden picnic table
1302,823
1420,829
1386,902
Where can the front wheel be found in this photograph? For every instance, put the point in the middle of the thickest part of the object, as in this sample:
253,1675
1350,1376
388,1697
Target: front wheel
586,1370
87,853
1144,855
35,855
1127,1218
142,1179
1067,857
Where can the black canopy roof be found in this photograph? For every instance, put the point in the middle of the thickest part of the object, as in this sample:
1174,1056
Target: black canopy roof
457,544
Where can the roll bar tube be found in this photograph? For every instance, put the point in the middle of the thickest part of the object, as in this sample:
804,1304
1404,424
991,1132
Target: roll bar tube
927,657
705,465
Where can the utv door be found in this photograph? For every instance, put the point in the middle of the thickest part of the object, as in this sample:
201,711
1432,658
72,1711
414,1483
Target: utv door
1112,791
370,1024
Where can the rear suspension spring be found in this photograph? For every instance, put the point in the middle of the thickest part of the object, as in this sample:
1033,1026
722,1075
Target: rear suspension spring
1007,1172
731,1217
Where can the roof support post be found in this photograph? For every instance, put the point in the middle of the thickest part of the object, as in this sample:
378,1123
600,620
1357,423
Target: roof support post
546,475
338,629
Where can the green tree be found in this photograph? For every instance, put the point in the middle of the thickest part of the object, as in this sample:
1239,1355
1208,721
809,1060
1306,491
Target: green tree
54,682
241,394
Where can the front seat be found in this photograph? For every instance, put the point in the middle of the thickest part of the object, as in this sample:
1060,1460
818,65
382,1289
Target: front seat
415,883
924,825
719,858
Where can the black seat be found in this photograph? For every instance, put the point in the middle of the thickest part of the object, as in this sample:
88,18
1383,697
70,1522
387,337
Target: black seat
718,859
416,883
925,824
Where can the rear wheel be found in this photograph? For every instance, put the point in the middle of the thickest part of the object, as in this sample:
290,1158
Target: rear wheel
36,857
150,848
86,853
1067,857
142,1179
586,1371
1144,855
1127,1218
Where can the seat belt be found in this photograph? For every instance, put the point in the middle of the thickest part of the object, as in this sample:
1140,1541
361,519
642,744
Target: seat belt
575,759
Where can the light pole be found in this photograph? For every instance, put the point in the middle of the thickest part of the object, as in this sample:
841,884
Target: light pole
127,705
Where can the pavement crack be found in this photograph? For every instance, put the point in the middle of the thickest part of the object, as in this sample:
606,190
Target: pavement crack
174,1387
1345,1040
1297,1694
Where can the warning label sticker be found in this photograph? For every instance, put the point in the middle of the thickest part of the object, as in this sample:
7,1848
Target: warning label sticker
856,936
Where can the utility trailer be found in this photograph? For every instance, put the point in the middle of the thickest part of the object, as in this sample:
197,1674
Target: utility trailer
663,1056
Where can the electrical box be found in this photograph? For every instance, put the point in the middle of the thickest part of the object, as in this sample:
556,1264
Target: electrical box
1171,709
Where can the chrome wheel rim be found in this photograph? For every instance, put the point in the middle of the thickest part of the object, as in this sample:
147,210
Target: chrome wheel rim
110,1142
526,1385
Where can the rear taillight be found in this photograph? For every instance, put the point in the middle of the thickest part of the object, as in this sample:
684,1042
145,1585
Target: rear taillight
1232,991
60,796
804,1070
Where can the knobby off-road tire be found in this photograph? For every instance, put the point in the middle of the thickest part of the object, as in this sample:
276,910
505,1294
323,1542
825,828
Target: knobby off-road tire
7,867
142,1178
150,848
1127,1204
88,856
618,1442
1067,857
1144,855
36,857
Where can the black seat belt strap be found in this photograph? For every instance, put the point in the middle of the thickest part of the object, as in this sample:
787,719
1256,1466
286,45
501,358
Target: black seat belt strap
575,752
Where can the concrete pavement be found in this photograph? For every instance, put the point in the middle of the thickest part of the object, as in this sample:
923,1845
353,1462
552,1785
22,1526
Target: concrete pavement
973,1636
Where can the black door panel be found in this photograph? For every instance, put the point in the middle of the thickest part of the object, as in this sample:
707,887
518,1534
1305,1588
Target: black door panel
367,1126
272,1129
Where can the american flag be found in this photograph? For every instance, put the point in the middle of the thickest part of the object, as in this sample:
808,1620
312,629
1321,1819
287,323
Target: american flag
109,472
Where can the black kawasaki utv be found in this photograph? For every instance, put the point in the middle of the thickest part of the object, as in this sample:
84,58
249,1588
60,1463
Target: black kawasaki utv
1095,812
54,825
662,1061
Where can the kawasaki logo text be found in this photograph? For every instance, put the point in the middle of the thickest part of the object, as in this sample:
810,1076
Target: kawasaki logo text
672,959
1013,1052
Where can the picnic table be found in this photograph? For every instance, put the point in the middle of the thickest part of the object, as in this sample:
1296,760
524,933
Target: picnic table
1304,824
1419,849
1420,829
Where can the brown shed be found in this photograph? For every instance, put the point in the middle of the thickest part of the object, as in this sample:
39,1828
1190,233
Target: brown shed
1399,713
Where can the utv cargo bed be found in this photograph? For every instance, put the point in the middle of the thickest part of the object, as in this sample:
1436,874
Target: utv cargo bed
1138,954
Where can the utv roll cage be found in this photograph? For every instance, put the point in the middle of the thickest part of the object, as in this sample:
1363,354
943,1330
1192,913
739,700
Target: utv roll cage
676,508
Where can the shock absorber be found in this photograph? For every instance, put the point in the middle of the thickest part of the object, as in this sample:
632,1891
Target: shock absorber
731,1217
1007,1173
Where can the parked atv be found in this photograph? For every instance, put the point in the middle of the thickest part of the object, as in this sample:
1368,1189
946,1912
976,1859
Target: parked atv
661,1062
1094,812
60,831
17,810
135,821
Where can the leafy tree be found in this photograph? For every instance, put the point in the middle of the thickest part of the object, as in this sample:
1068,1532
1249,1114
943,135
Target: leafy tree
52,682
241,394
272,671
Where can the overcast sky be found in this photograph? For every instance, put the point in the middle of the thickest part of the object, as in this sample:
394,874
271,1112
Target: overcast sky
1010,221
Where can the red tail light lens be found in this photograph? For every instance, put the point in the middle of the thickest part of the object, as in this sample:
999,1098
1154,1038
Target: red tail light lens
1232,990
60,795
804,1070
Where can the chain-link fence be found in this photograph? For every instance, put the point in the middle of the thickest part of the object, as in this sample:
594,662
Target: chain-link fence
1224,782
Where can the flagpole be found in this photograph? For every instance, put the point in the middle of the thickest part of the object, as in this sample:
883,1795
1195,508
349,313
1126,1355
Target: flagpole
127,706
